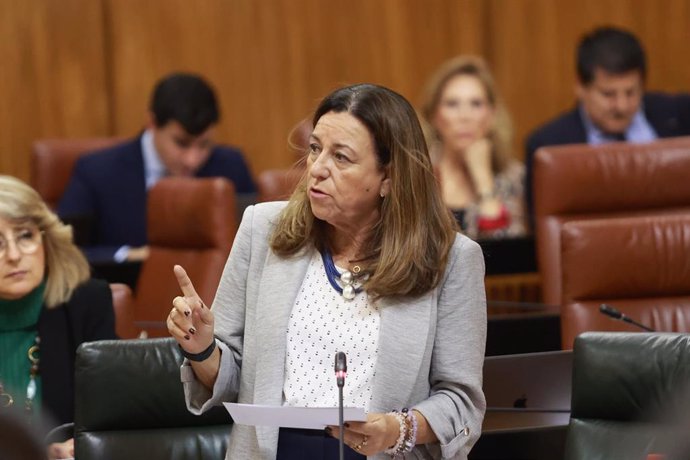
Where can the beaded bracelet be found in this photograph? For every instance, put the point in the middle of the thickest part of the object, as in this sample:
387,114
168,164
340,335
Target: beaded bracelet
408,434
411,436
393,450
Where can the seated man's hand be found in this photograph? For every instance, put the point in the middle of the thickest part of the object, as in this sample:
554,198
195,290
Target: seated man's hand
138,254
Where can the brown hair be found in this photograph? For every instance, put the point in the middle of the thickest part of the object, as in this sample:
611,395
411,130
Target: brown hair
66,267
409,245
501,134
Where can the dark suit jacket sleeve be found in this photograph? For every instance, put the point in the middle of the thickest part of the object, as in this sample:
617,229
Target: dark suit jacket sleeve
78,206
567,128
669,114
77,201
107,196
244,181
229,162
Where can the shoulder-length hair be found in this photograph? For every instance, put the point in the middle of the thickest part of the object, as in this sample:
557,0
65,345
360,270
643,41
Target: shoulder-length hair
66,266
409,245
501,133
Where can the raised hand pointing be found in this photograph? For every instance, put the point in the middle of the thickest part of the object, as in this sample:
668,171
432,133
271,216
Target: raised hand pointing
190,321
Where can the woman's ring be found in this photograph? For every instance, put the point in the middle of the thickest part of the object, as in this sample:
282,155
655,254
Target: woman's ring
357,447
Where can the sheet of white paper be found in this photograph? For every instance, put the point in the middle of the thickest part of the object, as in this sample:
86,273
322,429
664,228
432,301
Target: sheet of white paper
292,417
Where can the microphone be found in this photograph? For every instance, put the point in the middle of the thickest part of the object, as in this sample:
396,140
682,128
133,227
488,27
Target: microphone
340,373
340,368
608,310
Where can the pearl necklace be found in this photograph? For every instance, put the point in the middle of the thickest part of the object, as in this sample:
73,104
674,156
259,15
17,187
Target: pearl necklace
346,278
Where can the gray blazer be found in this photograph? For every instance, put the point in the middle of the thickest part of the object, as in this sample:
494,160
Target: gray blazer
430,355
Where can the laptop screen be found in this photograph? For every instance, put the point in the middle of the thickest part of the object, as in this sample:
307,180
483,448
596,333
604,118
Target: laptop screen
530,381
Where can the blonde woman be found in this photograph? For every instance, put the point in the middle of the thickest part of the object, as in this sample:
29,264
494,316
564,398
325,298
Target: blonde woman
470,142
48,306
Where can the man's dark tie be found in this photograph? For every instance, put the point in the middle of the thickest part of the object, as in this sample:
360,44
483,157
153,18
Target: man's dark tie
619,137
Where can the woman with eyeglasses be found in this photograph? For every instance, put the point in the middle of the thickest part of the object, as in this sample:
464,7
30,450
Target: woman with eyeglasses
48,307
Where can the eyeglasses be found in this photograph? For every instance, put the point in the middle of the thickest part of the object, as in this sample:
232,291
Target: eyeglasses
27,241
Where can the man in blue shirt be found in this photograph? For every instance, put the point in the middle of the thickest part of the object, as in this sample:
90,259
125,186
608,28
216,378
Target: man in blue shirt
612,103
108,188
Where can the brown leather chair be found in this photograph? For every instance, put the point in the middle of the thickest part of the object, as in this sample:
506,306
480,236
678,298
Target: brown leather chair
606,211
191,222
278,184
123,304
638,264
53,160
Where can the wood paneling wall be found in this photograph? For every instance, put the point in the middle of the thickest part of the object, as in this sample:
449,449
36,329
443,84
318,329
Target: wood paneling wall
53,77
271,61
86,67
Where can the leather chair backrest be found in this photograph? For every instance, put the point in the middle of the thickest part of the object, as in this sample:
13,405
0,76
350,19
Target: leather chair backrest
608,185
53,160
583,181
638,264
191,222
123,304
629,396
278,184
130,404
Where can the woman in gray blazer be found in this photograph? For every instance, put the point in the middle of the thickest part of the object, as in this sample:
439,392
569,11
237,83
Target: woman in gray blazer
365,259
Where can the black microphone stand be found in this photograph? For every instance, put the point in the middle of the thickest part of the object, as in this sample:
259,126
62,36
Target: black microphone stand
616,314
340,373
341,422
627,319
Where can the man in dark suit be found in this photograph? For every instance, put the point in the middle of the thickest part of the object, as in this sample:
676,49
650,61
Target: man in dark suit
612,104
108,188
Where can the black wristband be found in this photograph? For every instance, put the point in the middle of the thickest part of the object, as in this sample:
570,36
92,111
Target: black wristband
198,357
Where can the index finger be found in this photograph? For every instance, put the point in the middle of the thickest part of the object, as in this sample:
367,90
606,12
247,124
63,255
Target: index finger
185,283
358,427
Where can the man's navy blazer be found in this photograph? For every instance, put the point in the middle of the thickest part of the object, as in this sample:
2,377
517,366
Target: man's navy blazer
108,188
668,114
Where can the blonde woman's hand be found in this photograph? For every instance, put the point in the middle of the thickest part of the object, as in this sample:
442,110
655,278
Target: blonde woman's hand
478,161
138,254
190,321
